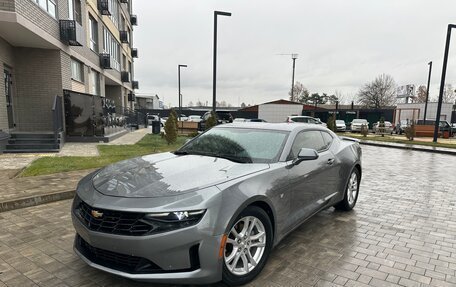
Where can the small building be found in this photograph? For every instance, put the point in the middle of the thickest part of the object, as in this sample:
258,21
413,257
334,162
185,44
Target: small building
148,102
415,111
278,111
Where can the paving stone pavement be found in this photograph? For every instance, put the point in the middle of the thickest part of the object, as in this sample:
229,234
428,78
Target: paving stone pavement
401,233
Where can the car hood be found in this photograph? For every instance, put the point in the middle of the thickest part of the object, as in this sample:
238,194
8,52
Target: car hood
167,174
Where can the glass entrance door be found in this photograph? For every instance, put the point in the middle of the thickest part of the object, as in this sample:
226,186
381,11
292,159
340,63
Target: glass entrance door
9,97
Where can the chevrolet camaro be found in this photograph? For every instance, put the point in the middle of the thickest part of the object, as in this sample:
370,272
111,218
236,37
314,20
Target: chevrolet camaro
214,209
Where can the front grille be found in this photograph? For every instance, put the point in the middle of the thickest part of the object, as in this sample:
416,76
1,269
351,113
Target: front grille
117,261
113,222
128,263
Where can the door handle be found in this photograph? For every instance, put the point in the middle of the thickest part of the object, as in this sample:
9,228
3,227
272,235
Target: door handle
330,161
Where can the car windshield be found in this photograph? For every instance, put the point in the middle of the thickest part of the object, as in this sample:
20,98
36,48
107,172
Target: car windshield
223,115
359,121
340,122
238,144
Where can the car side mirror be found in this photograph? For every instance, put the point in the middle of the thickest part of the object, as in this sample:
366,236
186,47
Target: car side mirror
305,154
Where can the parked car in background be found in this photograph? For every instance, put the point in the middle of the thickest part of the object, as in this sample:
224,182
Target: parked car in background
183,118
239,120
401,126
223,117
357,123
304,119
151,118
194,118
340,126
256,120
388,129
214,209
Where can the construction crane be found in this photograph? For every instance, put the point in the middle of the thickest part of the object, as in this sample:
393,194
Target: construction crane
293,57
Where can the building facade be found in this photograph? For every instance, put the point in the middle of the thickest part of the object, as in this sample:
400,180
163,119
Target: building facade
52,47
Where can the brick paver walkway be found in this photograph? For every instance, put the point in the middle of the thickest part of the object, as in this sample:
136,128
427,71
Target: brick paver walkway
401,233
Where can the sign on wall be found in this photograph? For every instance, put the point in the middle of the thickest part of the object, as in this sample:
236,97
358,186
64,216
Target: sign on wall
406,91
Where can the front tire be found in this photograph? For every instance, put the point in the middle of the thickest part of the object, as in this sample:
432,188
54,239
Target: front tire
248,246
351,192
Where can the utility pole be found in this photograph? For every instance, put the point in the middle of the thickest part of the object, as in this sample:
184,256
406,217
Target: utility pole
427,92
293,57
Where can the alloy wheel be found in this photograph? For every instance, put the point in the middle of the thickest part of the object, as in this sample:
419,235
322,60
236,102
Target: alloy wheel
245,245
352,189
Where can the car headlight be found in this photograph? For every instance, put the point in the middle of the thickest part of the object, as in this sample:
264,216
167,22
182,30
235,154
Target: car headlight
168,221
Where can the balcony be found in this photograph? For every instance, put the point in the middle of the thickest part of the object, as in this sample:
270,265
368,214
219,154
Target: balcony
125,76
135,85
105,61
124,37
134,20
103,7
134,53
71,33
131,97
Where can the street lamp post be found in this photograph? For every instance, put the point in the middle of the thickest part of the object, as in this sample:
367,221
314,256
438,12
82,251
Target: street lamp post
442,81
427,91
179,89
294,57
214,73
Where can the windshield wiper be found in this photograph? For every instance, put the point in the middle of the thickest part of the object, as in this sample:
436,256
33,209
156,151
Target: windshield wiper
224,156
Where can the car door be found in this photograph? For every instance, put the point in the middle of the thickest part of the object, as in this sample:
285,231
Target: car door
309,179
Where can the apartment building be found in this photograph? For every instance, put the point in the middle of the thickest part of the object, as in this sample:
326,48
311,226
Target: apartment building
52,47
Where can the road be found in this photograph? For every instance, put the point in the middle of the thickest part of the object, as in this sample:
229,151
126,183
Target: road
402,232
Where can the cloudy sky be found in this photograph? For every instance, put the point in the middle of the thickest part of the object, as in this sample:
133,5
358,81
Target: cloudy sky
342,44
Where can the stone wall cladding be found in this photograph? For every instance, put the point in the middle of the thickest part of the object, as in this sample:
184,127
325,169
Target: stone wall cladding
6,59
38,81
42,19
7,5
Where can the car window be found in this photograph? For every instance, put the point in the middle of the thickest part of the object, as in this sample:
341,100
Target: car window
307,139
327,138
299,120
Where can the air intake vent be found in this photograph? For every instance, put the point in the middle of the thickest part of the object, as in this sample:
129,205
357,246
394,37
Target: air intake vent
105,61
134,20
103,7
71,33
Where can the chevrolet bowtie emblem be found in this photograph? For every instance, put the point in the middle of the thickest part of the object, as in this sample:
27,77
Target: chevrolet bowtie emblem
96,214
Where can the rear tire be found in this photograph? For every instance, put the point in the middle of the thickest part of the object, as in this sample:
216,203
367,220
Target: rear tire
248,246
351,192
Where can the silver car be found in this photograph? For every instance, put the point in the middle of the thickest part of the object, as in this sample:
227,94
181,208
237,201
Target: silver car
214,209
356,125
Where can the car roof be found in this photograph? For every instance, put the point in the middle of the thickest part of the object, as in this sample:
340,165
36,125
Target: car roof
272,126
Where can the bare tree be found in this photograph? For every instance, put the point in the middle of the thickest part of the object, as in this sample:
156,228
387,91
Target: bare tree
300,93
190,104
448,94
199,103
379,93
421,94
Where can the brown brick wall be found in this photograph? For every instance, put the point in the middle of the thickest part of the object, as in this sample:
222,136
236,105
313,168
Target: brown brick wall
7,5
38,81
34,13
6,58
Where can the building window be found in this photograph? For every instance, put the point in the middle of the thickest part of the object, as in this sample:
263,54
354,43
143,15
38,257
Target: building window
93,31
48,5
111,47
114,8
94,83
77,70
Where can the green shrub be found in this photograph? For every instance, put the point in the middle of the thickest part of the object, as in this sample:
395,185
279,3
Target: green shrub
331,123
381,126
211,121
364,130
176,119
410,132
171,128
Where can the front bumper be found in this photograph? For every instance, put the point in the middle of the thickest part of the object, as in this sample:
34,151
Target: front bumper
188,255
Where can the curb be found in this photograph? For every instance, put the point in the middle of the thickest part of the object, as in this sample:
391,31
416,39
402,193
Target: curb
36,200
409,147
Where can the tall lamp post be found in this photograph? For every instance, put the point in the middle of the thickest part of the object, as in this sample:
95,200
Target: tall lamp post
179,89
214,73
442,81
294,57
427,91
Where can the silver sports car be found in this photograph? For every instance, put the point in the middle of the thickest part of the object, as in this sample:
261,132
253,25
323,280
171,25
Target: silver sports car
215,208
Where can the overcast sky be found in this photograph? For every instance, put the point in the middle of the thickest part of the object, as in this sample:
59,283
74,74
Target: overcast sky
342,44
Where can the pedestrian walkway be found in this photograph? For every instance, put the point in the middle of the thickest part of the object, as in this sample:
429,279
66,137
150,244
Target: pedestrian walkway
442,150
29,191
